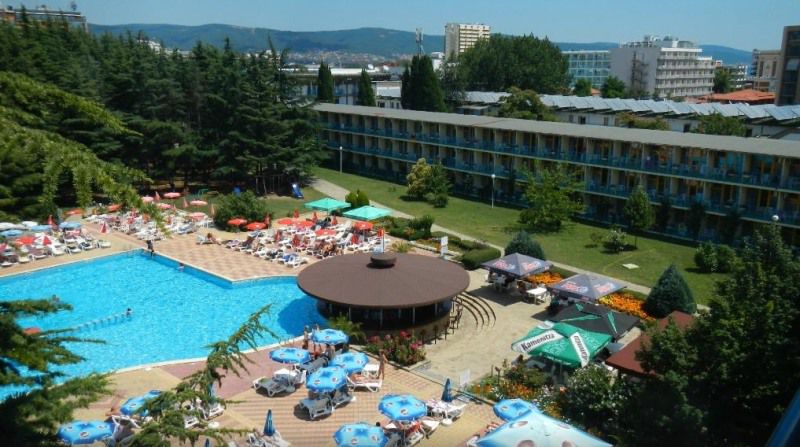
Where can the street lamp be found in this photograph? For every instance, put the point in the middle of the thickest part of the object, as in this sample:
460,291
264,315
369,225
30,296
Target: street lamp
776,218
493,177
340,159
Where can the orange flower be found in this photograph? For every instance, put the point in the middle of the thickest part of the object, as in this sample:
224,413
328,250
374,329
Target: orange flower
627,303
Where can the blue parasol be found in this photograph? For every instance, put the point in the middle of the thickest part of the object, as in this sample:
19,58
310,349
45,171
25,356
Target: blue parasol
537,429
402,407
69,225
447,392
45,228
290,355
85,432
327,379
11,233
208,442
361,435
510,409
351,362
134,404
329,336
269,429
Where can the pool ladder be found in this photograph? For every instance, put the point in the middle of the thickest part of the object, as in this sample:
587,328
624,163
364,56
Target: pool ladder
116,318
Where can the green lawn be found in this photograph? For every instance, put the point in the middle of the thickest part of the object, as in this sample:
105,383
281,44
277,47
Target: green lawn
569,246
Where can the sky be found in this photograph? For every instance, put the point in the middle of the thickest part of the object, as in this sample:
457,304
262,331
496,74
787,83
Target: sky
743,24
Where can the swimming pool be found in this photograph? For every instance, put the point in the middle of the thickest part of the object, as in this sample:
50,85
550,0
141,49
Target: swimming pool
175,313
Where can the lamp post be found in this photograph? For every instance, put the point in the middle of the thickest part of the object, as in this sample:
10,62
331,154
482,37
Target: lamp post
340,159
493,177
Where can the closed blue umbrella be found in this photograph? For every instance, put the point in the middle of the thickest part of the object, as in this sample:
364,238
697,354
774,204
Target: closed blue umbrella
361,435
290,355
85,432
402,407
510,409
351,362
45,228
447,392
11,233
69,225
327,379
269,429
134,404
537,429
208,442
330,336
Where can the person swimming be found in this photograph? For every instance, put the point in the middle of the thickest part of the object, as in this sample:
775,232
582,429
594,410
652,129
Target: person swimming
180,266
129,312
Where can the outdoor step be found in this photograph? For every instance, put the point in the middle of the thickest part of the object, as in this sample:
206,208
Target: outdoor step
472,312
488,316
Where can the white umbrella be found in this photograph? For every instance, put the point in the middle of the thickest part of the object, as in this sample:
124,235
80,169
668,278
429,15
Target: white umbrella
29,223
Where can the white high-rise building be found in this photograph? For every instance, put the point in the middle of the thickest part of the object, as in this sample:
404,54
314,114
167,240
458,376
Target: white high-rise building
663,67
458,37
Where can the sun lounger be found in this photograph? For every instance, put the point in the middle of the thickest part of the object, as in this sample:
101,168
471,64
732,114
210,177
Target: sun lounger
296,261
445,410
341,397
369,384
259,440
314,365
316,407
274,385
103,243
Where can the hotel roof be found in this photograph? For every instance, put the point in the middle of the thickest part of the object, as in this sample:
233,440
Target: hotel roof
653,137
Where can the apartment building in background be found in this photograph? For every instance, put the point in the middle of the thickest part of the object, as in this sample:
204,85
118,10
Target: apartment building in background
788,86
593,65
459,37
663,67
13,16
738,73
764,70
488,156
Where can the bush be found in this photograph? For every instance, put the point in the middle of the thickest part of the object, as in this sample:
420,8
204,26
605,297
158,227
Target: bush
451,238
422,226
474,258
522,243
352,199
246,205
361,199
615,241
401,247
404,348
706,257
726,258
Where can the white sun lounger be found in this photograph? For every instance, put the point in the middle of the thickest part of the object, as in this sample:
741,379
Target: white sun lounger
371,385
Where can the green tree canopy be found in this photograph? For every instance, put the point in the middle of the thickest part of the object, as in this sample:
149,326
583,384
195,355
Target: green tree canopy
639,212
525,62
552,199
366,96
245,205
418,179
523,243
592,398
420,88
717,124
671,292
583,87
722,81
452,80
525,104
324,83
613,87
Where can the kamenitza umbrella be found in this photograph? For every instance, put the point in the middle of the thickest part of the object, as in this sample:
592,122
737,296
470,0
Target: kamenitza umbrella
367,213
517,265
562,343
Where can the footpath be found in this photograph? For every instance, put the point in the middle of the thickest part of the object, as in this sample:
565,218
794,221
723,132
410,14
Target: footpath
337,192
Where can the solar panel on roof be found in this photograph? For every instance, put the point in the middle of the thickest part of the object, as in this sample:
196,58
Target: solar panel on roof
600,104
781,113
682,108
581,103
751,112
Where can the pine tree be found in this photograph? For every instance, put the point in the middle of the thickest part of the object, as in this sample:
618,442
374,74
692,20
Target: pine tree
420,86
324,83
366,96
671,292
524,244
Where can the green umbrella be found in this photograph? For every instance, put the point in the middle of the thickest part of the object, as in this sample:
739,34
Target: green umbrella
327,204
562,343
367,213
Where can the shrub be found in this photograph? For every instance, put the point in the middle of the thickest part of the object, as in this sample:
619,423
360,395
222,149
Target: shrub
615,241
726,258
246,205
422,226
404,348
474,258
352,199
451,238
401,247
706,257
361,198
351,328
522,243
438,200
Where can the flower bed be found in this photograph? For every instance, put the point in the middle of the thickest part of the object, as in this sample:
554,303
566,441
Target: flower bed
627,303
546,278
404,349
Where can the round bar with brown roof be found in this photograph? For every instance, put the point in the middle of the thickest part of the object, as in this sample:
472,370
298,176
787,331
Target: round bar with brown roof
384,290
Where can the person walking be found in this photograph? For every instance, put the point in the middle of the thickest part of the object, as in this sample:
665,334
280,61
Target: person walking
382,364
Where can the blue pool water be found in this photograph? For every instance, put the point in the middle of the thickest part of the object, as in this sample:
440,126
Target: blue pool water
175,313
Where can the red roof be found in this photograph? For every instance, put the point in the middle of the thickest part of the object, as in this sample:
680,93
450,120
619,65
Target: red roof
748,96
625,359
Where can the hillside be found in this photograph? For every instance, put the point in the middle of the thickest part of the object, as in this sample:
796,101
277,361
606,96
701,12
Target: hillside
378,41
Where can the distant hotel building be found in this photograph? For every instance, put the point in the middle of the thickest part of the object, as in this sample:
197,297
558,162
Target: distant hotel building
789,69
593,65
737,72
663,68
488,156
41,14
764,70
459,37
345,82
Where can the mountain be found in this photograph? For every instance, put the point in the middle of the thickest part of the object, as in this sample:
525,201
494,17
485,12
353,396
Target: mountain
382,42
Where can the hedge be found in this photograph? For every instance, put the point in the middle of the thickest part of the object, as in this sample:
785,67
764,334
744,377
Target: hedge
474,258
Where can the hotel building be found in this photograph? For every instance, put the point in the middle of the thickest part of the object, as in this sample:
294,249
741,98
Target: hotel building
489,156
592,65
459,37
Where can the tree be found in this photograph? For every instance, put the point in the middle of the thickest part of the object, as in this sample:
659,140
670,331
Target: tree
592,398
551,199
671,292
452,81
525,62
613,87
729,226
361,198
583,87
438,186
695,218
637,122
324,83
352,199
351,328
717,124
722,81
245,205
420,89
366,96
525,104
663,213
523,243
639,213
418,179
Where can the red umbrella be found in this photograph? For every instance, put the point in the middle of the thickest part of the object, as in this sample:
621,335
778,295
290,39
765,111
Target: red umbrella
75,212
314,217
362,226
198,203
325,232
157,197
334,221
296,213
165,206
25,240
46,240
31,330
354,239
253,226
303,223
104,228
113,207
172,195
147,199
198,215
296,240
285,221
237,221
